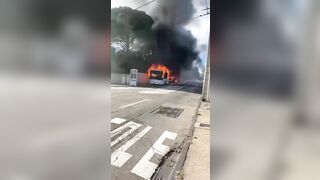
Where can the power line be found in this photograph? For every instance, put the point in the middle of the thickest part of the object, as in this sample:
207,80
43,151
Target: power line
202,15
145,4
208,13
207,8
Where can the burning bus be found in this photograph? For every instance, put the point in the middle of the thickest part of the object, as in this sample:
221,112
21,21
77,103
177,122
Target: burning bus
159,74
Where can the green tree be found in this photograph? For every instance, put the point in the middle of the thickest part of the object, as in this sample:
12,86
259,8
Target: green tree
132,39
131,29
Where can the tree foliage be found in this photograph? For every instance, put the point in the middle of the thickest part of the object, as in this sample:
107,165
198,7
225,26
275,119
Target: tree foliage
132,39
130,27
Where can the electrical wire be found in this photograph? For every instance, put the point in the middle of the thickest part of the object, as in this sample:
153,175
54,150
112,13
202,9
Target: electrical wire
145,4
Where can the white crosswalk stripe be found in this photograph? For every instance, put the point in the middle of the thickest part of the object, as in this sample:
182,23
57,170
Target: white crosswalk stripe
143,168
117,120
119,157
132,125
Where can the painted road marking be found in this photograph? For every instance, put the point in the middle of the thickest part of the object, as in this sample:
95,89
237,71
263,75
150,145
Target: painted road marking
121,128
126,88
144,168
132,104
124,135
119,157
167,90
118,120
156,92
132,125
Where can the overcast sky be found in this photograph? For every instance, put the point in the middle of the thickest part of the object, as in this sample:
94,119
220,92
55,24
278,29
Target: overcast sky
199,26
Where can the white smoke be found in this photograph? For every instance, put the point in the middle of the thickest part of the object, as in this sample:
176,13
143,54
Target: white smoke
198,66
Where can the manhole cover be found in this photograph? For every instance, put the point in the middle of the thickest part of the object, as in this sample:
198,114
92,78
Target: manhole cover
168,111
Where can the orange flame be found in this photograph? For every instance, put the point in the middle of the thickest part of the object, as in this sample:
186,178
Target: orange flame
159,67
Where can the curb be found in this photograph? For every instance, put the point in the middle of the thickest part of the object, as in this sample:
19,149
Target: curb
179,156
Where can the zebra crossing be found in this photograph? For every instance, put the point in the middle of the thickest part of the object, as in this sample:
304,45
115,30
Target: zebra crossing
125,135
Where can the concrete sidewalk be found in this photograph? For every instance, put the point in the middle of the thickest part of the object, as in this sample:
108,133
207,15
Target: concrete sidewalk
197,164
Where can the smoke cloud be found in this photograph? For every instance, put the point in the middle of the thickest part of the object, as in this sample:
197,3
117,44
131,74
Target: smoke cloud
174,12
175,46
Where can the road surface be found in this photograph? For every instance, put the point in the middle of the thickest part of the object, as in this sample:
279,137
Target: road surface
146,122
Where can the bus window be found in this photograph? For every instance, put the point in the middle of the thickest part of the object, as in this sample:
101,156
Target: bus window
156,74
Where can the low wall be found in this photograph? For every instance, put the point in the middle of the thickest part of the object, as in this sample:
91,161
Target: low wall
142,78
120,78
124,79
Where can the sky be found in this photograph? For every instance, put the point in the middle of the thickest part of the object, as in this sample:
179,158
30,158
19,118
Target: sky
199,26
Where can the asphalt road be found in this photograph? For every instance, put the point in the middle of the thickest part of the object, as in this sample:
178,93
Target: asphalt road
146,122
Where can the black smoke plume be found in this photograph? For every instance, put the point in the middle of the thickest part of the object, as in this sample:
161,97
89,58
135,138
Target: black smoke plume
175,46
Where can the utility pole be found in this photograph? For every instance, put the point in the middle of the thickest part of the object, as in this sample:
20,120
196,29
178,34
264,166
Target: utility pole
307,68
206,79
